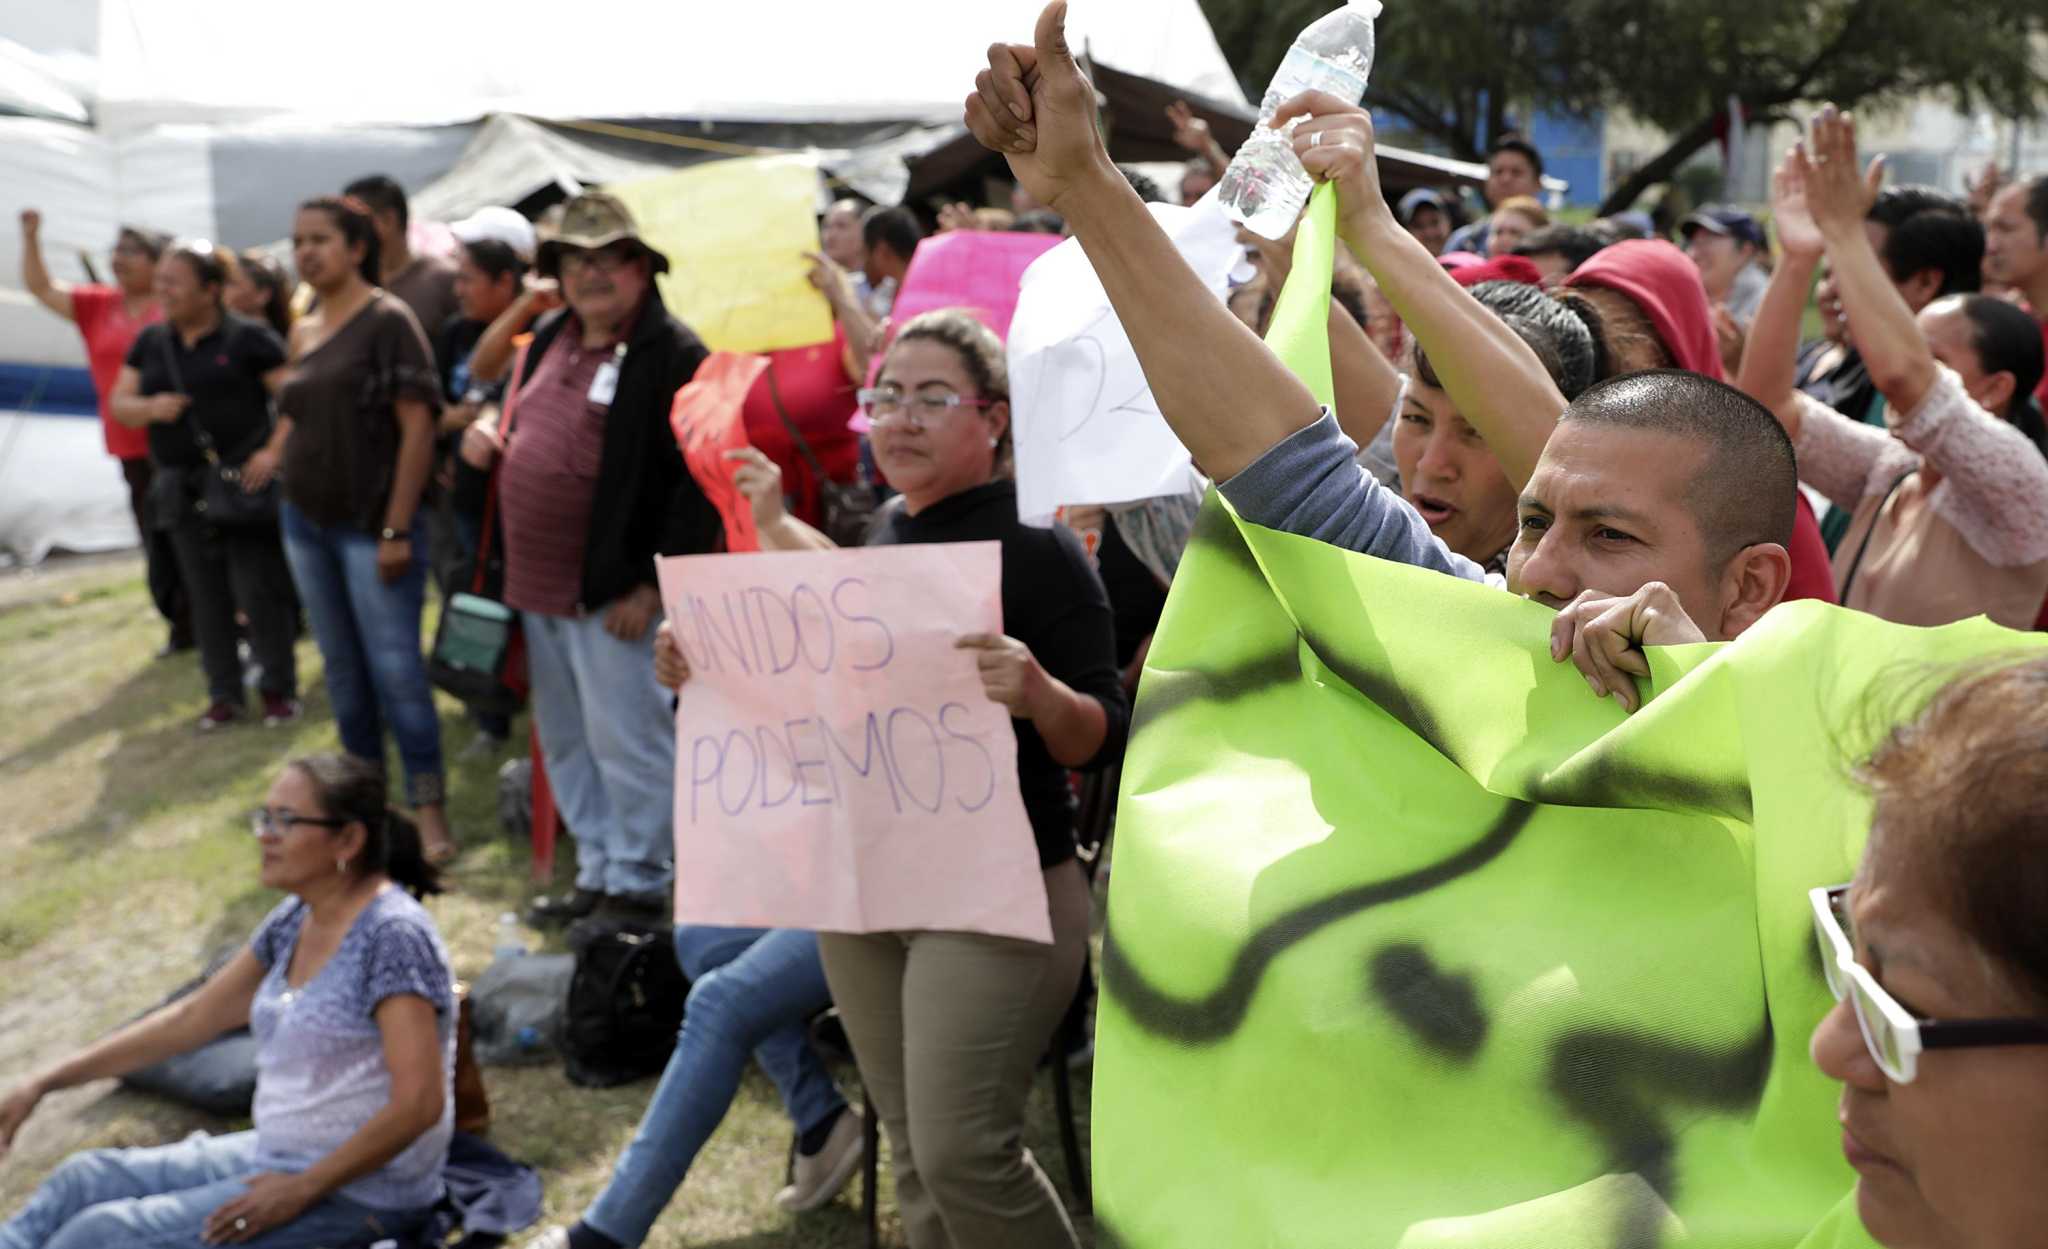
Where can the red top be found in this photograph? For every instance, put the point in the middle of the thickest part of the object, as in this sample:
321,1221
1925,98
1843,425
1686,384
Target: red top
108,331
548,481
1665,284
819,398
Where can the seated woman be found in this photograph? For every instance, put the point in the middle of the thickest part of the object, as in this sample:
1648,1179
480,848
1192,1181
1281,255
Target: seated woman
1949,501
348,990
753,992
1939,962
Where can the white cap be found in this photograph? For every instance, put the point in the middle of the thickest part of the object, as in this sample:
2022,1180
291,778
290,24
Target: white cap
501,224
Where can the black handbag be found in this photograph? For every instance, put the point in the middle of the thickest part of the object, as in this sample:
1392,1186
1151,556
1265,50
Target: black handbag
219,498
849,506
479,652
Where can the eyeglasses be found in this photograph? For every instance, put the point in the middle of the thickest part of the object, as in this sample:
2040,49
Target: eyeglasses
1895,1038
884,404
604,259
277,821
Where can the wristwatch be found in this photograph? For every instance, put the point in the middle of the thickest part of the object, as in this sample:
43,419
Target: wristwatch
393,535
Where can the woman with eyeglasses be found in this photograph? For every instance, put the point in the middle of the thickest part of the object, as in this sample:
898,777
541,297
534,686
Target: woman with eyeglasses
1937,954
948,1027
348,990
200,382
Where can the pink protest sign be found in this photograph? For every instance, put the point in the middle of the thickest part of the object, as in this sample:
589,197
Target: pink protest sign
838,766
974,269
707,419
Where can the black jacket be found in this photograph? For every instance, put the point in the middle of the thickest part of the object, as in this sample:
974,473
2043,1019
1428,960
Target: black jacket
646,503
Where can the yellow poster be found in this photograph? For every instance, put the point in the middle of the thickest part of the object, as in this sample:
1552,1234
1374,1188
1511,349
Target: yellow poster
734,232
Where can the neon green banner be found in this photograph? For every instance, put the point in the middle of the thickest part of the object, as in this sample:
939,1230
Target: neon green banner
1414,942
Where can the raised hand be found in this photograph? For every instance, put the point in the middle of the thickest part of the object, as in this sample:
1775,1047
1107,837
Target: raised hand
1189,131
1335,143
1035,106
1838,194
1798,233
32,222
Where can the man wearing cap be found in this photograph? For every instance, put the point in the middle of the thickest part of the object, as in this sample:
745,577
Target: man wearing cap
1728,245
425,283
591,488
1423,213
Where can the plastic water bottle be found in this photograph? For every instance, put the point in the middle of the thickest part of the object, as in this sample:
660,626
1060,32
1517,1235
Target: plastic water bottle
1265,187
509,945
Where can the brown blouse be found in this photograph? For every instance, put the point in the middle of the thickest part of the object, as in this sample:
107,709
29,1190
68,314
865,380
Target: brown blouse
342,398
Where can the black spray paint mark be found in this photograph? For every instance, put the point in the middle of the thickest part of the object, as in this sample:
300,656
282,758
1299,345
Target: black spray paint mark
1213,1016
1441,1008
1618,1083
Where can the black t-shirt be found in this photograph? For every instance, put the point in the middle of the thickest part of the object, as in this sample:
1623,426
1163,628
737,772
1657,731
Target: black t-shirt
223,373
1053,603
452,350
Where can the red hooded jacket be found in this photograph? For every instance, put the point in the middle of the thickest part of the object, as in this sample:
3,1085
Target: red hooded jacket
1660,280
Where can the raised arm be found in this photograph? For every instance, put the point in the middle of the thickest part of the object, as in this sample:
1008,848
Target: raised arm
1496,379
35,275
491,359
1226,396
1770,357
1882,326
1366,385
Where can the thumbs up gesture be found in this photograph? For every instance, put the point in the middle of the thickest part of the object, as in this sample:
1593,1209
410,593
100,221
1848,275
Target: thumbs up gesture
1033,105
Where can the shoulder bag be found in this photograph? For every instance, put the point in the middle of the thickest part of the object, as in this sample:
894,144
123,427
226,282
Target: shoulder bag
220,498
479,654
849,506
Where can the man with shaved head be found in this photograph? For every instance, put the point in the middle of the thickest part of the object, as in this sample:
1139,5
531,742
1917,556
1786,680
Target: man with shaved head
1655,509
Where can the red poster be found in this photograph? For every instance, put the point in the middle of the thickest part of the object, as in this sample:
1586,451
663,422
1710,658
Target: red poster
707,422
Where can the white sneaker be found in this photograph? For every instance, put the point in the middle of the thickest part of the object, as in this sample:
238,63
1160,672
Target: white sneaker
553,1238
818,1178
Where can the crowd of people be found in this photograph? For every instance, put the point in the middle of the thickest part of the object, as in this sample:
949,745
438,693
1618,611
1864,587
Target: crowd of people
1626,430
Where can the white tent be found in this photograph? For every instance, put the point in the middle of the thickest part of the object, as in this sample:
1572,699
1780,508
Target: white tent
210,118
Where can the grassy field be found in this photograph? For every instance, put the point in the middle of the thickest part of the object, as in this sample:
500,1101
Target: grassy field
124,862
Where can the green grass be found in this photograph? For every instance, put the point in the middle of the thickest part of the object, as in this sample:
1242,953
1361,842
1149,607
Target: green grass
124,864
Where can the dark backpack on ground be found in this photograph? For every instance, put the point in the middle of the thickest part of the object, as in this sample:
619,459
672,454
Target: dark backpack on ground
625,1006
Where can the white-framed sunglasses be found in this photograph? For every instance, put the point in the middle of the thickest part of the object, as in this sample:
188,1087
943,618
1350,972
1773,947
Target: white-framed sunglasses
1892,1034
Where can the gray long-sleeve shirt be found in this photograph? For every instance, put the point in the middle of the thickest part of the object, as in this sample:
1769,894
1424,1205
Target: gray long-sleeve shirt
1310,483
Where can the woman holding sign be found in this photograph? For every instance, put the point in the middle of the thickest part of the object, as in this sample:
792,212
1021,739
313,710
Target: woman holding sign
949,1027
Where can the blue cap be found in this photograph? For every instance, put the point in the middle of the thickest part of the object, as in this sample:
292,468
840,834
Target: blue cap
1730,222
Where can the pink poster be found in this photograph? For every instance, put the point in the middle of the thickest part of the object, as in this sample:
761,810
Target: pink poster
707,420
838,767
975,269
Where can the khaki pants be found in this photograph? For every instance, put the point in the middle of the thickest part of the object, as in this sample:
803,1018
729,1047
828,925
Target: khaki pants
948,1028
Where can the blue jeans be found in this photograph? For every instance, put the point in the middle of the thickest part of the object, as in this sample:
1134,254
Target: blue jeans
751,990
608,737
369,635
159,1199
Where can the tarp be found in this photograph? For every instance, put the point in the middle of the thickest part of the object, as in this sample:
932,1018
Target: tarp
1414,942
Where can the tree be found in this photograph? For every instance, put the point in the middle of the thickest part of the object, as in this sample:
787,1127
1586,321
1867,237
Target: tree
1458,69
